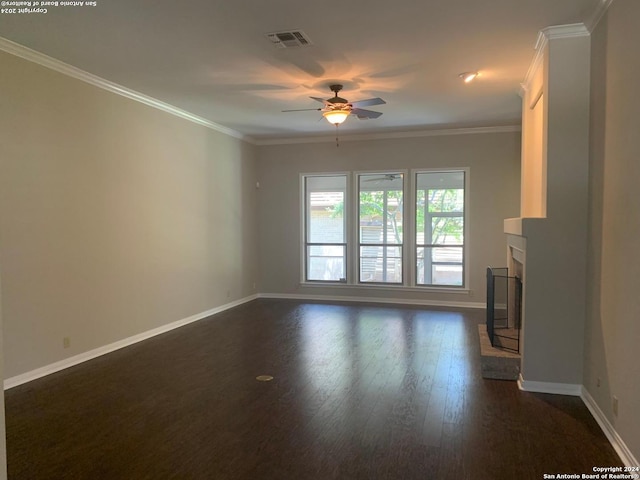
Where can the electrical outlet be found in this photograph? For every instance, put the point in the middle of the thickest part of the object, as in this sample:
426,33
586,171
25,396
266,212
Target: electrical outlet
66,342
254,285
228,293
598,382
615,405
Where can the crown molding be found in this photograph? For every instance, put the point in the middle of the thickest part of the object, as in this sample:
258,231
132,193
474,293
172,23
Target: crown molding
551,33
597,15
538,56
48,62
386,135
564,31
522,90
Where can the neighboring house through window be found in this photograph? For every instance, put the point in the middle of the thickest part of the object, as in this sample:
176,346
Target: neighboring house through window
325,228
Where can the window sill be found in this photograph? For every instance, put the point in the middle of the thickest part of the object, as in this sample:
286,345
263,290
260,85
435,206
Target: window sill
392,288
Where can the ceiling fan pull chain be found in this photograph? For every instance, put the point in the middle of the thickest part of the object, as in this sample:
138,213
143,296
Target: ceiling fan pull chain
337,143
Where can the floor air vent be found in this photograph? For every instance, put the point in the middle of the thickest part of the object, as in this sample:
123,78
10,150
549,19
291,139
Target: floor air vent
292,39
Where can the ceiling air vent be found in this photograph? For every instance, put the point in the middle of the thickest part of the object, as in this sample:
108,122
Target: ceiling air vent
292,39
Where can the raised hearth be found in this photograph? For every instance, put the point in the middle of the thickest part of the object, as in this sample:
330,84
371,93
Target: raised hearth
497,363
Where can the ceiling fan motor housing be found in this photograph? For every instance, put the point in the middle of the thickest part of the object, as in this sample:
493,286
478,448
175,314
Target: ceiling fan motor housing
336,99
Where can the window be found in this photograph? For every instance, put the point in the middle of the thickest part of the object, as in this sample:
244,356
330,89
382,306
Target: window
325,228
359,231
380,200
440,228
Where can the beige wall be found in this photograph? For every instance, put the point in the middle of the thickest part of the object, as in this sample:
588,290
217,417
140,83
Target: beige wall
3,438
612,334
494,162
115,218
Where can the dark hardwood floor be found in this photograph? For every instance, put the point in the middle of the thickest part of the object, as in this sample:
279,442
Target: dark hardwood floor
359,392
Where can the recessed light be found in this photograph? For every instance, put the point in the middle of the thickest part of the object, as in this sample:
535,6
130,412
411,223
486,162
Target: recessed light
468,76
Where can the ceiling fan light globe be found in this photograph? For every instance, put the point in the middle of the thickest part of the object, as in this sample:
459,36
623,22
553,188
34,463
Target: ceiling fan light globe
336,117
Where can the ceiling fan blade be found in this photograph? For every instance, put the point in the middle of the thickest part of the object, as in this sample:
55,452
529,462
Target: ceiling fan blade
389,178
318,99
368,102
360,113
303,110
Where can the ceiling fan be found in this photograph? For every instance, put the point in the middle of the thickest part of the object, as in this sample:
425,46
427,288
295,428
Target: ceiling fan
337,109
387,177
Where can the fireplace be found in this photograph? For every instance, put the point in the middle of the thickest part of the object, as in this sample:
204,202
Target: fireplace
504,308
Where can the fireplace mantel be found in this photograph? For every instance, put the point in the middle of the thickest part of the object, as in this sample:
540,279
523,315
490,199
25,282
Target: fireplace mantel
513,226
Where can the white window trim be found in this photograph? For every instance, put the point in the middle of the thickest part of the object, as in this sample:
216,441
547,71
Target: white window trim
466,249
389,287
409,271
303,225
355,206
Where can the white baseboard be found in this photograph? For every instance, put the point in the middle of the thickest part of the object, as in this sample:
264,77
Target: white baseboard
572,389
579,391
616,442
394,301
83,357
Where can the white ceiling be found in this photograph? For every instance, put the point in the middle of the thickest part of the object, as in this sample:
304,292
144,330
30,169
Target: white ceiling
211,58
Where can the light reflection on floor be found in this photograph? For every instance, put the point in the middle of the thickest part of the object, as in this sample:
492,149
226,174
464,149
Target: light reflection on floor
370,356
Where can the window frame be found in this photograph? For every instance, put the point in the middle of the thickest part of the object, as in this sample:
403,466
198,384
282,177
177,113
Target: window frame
305,229
356,229
465,218
409,238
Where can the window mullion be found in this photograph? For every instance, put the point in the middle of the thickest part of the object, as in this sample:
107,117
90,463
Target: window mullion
428,239
385,232
354,230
